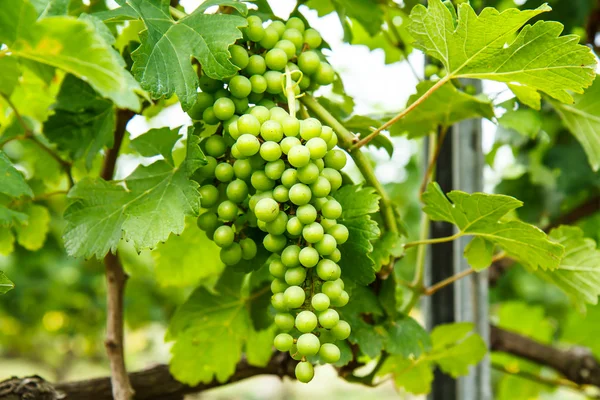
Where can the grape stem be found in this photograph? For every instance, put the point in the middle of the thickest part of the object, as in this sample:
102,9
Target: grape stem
289,92
430,173
346,139
367,139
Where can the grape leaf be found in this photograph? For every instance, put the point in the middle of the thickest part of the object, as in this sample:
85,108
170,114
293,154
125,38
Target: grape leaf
157,142
5,283
367,12
9,217
389,245
357,201
145,208
240,7
13,182
83,122
479,215
414,377
582,119
71,44
31,234
406,337
484,47
210,330
162,63
370,338
177,262
526,95
444,107
10,74
526,319
259,346
49,8
524,120
7,242
578,274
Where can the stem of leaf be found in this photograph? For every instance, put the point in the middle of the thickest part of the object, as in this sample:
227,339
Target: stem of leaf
289,92
433,241
367,139
436,146
177,14
346,138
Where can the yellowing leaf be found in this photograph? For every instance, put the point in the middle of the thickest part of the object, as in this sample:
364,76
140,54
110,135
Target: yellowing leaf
32,233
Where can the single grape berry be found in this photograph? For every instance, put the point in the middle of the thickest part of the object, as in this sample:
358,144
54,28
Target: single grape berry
304,372
308,344
223,236
306,321
284,321
329,353
266,210
283,342
329,318
294,297
320,302
231,255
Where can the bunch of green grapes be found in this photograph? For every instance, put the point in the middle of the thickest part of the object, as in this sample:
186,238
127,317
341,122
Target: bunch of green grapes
269,180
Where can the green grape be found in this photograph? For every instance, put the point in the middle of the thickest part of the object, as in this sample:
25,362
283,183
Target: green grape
339,232
259,196
331,143
327,245
300,194
261,181
294,226
320,302
274,169
304,84
308,174
295,276
231,127
227,210
267,103
237,191
342,300
261,113
249,248
287,144
332,289
304,371
327,270
294,36
270,151
306,321
278,286
256,65
310,128
329,318
326,133
271,130
259,83
242,169
335,159
308,344
321,187
299,156
240,86
278,302
224,236
309,62
224,172
208,221
320,164
221,93
248,124
332,209
336,256
231,255
283,342
203,101
290,256
317,148
247,144
274,81
278,26
209,195
295,23
309,257
313,233
294,297
207,171
210,117
284,321
276,59
329,353
274,243
291,126
266,210
281,194
278,114
288,47
278,225
277,269
312,38
209,85
324,75
334,178
256,98
241,105
318,204
327,223
341,331
306,214
430,70
215,146
235,153
255,31
289,178
271,37
239,56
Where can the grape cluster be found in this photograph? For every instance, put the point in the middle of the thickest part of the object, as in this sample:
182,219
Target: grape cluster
269,180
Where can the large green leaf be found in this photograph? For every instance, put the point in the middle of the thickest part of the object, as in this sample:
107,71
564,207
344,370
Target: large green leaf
74,45
578,274
145,208
484,46
158,141
582,119
31,234
480,214
13,182
163,62
444,107
5,283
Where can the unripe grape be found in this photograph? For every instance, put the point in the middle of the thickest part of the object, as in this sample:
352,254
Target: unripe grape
341,331
317,148
430,70
266,210
327,245
278,26
283,342
284,321
339,232
332,289
312,38
336,256
254,30
247,144
267,103
208,221
308,344
342,300
274,243
309,62
295,23
278,302
215,146
258,83
300,194
295,354
294,297
203,101
320,302
326,133
294,226
224,236
291,126
327,270
261,113
278,225
304,371
224,108
289,178
277,269
289,142
248,124
259,196
306,321
274,81
324,74
221,93
231,255
329,353
249,248
274,169
209,195
271,130
237,191
240,86
209,85
281,194
276,59
270,151
308,174
288,47
334,178
328,223
331,143
242,169
306,214
321,187
299,156
256,65
239,56
227,210
309,257
270,38
310,128
260,181
332,209
294,36
313,233
224,172
278,286
290,255
335,159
